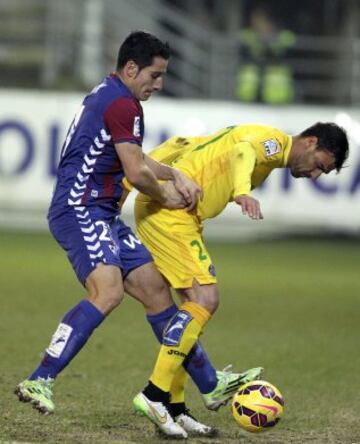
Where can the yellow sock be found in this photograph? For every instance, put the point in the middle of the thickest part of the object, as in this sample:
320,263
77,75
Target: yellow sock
177,390
180,335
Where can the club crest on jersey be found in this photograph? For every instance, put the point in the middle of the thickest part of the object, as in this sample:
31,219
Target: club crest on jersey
136,128
271,147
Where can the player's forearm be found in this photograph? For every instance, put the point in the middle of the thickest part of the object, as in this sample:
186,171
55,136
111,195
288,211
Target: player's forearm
187,188
161,171
144,180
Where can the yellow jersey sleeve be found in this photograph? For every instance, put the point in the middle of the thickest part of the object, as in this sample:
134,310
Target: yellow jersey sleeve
243,162
272,148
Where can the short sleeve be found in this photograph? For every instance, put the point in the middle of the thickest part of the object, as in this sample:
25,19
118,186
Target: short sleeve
243,163
124,120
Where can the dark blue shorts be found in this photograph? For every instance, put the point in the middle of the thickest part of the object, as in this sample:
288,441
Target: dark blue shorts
90,238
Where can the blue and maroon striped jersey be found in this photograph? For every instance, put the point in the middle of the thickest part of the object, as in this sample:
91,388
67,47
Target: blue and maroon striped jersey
90,172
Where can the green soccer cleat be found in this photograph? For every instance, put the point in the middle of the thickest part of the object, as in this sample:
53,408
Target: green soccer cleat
228,384
159,414
38,392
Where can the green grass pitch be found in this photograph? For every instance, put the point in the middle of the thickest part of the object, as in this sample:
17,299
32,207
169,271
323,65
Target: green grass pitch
291,306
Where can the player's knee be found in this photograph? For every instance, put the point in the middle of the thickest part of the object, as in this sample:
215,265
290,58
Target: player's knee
112,295
105,288
107,298
157,304
211,304
157,296
208,297
148,286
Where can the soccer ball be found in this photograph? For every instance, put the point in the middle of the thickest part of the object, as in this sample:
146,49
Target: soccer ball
257,406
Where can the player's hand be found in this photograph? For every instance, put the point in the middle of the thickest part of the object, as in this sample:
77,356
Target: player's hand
172,199
189,189
250,206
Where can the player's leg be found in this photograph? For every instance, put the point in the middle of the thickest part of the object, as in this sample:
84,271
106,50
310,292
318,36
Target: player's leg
87,250
180,256
157,392
181,334
226,382
144,283
216,391
147,285
179,410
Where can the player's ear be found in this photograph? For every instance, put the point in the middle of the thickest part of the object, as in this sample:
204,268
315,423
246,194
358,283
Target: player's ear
312,141
131,69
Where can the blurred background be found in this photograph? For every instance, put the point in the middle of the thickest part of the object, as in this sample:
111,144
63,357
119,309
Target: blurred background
284,63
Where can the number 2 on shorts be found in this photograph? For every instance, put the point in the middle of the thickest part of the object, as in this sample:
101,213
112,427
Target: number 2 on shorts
196,243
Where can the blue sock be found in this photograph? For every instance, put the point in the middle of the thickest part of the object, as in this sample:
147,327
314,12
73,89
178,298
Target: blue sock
69,338
197,363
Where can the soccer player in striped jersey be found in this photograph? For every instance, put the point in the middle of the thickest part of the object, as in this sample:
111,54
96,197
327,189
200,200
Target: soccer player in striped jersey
102,152
102,148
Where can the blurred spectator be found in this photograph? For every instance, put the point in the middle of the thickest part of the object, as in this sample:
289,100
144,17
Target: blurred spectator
264,74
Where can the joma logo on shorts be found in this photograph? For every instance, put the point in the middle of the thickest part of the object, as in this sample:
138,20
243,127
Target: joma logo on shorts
177,353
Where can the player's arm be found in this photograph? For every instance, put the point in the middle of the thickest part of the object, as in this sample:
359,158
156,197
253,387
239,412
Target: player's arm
243,164
142,177
185,186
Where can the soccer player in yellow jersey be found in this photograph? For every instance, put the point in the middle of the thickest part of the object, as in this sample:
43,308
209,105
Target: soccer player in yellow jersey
227,166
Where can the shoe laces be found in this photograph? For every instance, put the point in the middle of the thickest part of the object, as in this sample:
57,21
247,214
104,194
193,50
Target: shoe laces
224,375
47,384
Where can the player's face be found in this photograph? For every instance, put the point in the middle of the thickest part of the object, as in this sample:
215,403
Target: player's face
150,79
313,162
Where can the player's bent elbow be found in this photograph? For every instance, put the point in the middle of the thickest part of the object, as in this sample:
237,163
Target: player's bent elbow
133,178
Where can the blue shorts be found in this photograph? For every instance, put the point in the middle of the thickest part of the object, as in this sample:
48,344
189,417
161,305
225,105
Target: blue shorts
90,238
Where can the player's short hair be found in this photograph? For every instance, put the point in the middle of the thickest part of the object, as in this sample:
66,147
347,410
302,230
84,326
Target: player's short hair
332,138
141,47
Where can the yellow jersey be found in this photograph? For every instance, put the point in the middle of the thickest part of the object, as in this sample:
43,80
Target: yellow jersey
227,164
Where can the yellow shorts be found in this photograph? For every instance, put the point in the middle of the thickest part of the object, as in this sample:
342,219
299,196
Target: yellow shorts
174,238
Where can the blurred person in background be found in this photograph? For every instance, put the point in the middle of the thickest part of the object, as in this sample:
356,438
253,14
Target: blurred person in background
227,165
264,74
101,153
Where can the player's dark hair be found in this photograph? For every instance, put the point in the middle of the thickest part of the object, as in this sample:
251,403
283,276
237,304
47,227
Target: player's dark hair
332,138
141,47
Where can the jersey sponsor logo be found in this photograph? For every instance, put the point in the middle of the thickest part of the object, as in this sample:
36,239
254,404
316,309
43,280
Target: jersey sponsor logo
271,147
59,340
175,328
136,128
